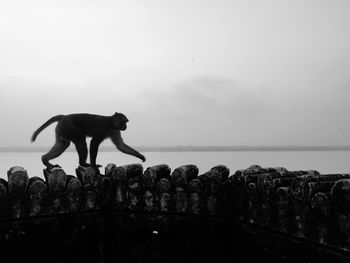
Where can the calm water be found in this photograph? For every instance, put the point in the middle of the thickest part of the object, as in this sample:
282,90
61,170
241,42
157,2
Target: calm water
323,161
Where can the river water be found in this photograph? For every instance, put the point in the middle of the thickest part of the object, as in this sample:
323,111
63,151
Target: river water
322,161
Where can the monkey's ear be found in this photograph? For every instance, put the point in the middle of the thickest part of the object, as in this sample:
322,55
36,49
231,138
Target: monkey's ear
116,113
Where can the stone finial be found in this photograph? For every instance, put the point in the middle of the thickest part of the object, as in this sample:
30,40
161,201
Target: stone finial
223,171
18,179
4,212
17,188
196,196
252,196
74,191
180,178
153,174
299,188
150,179
89,178
341,195
105,189
56,179
282,207
109,169
118,177
164,194
3,189
37,191
253,169
213,185
127,186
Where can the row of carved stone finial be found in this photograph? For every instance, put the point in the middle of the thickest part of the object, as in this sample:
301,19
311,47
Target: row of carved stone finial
123,187
305,204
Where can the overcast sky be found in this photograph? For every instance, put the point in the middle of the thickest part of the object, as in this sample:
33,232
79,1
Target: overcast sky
185,72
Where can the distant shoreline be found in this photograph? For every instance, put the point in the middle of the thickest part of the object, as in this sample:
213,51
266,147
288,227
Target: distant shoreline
194,148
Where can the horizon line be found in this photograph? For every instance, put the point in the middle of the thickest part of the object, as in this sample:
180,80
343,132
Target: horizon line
205,148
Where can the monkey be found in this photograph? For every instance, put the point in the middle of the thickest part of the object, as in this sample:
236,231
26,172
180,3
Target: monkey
76,127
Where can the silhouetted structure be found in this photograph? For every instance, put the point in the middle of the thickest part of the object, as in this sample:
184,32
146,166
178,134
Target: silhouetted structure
159,215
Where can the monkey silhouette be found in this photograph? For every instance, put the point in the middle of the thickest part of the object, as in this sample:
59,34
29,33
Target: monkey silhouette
76,127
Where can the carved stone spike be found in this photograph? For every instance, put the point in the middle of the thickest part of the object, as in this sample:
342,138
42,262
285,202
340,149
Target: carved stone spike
3,192
149,182
149,177
341,195
205,182
281,182
184,174
56,180
17,178
282,204
133,192
280,170
109,169
298,189
153,174
214,180
132,173
300,193
37,191
343,223
311,174
320,212
17,187
267,183
253,169
74,191
131,170
4,212
195,190
164,194
264,185
265,179
223,171
3,189
252,195
89,178
332,177
251,178
321,203
118,177
180,178
106,193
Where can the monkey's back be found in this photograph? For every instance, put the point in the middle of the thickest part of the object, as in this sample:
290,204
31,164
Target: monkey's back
77,125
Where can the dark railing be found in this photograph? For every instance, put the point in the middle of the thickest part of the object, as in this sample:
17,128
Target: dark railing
91,211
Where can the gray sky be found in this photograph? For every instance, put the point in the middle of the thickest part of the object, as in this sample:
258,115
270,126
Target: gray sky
185,72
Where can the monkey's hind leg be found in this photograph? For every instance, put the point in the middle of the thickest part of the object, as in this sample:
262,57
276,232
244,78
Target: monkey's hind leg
80,145
60,146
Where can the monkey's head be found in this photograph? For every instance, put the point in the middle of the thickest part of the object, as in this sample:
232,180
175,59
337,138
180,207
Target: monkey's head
120,121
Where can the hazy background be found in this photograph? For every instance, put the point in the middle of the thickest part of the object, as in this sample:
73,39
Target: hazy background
185,72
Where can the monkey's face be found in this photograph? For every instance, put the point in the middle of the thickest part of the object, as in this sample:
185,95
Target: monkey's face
120,122
123,125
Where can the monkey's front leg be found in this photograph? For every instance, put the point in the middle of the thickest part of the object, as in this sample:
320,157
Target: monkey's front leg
128,150
121,146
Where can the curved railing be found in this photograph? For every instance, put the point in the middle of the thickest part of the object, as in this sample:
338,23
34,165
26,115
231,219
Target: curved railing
304,204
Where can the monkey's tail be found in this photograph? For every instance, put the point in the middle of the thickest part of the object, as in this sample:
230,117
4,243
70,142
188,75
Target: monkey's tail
42,127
